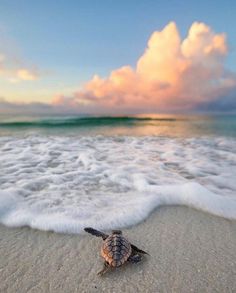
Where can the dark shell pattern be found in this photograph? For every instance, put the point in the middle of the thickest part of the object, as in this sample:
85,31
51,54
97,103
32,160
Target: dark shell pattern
116,250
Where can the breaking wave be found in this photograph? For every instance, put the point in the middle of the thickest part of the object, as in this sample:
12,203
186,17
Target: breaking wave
66,183
80,121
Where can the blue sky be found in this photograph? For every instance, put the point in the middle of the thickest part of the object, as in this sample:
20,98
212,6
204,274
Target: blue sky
70,41
102,35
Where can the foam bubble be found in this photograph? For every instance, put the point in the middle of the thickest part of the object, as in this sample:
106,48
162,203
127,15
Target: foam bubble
66,183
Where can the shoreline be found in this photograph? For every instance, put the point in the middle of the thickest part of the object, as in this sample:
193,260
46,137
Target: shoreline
190,251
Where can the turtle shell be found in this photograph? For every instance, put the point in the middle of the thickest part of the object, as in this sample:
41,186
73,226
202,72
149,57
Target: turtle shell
116,250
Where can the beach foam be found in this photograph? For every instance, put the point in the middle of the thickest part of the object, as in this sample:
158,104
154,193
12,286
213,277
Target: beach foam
66,183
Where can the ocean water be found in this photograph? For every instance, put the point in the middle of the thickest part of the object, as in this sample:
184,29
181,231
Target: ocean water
65,173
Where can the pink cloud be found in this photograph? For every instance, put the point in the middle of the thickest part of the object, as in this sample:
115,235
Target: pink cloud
172,74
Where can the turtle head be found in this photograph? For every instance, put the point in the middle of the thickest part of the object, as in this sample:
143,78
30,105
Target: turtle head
116,232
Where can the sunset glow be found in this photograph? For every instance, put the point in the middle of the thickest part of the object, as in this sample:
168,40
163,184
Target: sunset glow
170,75
66,68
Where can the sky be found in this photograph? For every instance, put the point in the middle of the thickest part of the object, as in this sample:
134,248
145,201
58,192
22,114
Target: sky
117,57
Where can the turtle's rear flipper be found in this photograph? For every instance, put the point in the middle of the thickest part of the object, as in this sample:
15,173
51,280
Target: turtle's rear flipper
96,232
104,270
136,249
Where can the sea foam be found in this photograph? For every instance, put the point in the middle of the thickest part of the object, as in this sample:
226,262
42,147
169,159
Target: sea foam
66,183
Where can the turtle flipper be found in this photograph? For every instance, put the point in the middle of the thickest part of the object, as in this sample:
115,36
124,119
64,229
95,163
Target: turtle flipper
135,258
96,233
104,270
136,249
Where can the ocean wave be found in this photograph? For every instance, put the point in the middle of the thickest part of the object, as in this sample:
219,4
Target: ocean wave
66,183
81,121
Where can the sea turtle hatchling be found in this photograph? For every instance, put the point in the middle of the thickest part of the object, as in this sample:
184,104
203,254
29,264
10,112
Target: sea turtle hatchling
116,249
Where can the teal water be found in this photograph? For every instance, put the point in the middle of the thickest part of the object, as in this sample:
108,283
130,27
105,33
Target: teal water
162,125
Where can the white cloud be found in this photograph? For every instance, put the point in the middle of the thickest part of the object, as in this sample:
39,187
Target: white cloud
14,70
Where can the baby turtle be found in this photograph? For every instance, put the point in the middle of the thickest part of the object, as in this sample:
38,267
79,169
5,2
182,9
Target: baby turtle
116,249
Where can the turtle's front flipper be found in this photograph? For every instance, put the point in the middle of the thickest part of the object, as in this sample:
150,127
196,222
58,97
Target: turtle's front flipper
96,233
135,258
104,270
136,249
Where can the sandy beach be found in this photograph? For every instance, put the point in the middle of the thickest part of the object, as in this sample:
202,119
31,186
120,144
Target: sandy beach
190,251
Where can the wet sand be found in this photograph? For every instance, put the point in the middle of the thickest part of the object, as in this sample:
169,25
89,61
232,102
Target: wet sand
191,251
